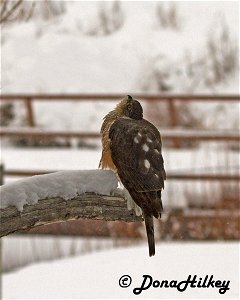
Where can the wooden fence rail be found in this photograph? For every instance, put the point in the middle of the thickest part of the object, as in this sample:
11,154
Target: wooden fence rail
170,99
170,175
170,134
116,97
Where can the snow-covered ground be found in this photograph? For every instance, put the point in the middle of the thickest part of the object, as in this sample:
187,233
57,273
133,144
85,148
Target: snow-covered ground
97,275
38,248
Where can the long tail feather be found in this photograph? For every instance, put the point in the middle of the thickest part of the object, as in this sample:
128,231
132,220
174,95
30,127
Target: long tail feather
150,233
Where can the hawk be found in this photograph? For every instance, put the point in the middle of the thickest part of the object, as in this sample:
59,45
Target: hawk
131,147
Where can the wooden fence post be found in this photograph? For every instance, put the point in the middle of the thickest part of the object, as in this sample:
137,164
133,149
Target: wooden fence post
173,118
1,174
30,115
172,112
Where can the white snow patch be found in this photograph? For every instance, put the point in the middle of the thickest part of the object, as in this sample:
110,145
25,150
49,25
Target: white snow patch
64,184
36,248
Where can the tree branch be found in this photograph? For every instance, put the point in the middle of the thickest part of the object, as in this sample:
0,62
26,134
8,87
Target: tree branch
46,211
6,12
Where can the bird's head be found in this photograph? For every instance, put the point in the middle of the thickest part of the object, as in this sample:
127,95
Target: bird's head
130,108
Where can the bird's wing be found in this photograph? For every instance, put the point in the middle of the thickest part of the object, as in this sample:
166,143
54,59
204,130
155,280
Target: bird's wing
136,151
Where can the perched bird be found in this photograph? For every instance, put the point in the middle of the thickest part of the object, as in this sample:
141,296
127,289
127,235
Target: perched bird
131,147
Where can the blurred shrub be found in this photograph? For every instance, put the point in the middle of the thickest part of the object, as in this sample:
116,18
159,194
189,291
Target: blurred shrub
167,15
19,10
6,114
108,19
222,55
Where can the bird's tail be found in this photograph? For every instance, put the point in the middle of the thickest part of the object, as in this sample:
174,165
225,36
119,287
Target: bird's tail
150,233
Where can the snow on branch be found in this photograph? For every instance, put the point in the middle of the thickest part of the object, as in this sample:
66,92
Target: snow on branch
61,196
63,184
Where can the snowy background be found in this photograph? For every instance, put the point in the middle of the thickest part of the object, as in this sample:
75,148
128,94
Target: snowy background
119,47
122,47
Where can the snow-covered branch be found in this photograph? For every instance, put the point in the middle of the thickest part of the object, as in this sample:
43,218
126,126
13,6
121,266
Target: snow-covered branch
46,211
61,196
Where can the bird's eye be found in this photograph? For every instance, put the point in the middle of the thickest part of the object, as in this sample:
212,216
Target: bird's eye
129,107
